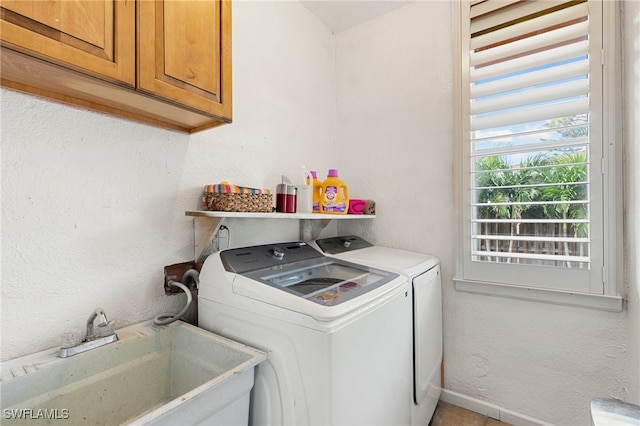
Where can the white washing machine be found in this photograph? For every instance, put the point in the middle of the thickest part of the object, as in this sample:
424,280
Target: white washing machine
423,272
334,332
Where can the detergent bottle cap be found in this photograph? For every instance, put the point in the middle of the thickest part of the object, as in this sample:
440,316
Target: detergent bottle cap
314,174
333,173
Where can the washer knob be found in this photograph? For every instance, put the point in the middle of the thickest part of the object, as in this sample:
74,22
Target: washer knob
278,253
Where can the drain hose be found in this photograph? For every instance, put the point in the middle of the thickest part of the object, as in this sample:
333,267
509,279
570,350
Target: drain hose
167,318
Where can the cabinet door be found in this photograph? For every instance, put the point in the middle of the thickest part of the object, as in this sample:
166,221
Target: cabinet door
92,36
184,53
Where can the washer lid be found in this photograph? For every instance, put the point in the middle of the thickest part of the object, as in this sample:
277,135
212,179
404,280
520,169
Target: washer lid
325,281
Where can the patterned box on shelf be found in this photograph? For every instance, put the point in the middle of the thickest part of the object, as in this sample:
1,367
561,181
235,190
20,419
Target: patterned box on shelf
232,198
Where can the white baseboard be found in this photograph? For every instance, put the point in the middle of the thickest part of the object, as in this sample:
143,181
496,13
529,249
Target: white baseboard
491,410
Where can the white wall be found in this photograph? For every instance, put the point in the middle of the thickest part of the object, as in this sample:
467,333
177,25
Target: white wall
395,140
631,48
93,206
395,129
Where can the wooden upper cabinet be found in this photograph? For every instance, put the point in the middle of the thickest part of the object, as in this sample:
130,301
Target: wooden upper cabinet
182,53
93,36
164,62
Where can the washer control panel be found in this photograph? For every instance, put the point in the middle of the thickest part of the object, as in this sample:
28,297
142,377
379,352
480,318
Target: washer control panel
245,259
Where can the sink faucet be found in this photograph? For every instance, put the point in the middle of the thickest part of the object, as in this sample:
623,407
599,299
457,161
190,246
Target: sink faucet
103,323
104,336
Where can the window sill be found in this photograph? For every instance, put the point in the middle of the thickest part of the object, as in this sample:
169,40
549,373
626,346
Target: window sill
584,300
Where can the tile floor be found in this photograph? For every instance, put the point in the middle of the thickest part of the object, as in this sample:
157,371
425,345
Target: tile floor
451,415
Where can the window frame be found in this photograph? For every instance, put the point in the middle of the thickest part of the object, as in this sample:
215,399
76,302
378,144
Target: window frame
611,297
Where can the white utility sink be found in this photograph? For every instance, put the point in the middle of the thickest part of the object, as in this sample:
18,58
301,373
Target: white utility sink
174,374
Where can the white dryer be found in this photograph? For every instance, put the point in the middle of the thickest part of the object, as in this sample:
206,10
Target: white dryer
423,272
334,332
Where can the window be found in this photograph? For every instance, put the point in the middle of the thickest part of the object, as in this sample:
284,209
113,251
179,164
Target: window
537,148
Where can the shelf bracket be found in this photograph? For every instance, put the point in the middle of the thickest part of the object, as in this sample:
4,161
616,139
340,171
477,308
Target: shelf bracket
306,229
204,232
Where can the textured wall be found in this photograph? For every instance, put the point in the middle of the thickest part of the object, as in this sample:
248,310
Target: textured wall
395,139
631,24
395,126
93,207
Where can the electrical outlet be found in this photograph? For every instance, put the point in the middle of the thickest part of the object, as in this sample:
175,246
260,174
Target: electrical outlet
175,272
226,237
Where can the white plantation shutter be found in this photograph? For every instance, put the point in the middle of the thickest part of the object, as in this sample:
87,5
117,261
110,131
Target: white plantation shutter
551,39
534,146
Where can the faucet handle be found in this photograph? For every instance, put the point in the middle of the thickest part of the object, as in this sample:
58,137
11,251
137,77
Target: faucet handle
70,340
105,329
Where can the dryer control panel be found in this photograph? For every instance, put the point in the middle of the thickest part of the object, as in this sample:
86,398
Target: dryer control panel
337,245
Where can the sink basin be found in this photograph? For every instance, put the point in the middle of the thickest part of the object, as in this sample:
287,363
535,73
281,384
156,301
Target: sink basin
174,374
